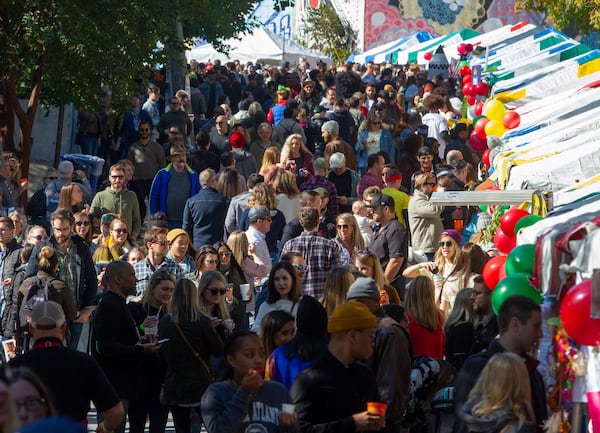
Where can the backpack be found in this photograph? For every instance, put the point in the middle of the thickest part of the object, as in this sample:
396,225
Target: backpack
287,132
38,292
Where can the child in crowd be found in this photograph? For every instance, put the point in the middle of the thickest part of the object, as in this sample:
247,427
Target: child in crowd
360,211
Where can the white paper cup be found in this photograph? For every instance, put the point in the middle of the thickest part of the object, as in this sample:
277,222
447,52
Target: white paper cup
245,292
288,408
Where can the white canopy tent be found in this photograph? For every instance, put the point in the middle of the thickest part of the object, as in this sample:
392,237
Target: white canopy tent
261,44
383,53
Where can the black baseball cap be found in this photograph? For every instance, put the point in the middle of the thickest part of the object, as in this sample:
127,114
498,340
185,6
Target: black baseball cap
382,200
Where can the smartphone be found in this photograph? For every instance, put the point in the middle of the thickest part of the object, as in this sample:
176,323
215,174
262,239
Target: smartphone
164,340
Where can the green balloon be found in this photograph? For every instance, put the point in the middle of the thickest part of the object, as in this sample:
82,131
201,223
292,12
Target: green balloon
483,207
527,221
515,284
475,119
520,259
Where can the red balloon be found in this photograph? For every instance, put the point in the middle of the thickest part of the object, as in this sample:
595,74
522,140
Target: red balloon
575,309
471,99
465,70
510,218
428,56
461,49
467,79
468,48
485,157
478,109
476,143
503,242
491,271
511,119
468,89
482,89
480,128
502,272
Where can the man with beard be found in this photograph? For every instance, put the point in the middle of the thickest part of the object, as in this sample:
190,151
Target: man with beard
148,158
390,242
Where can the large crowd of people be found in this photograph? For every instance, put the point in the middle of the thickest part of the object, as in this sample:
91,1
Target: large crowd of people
262,254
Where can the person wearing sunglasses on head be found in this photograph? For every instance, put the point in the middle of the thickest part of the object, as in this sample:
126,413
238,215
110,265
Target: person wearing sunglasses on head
157,245
424,217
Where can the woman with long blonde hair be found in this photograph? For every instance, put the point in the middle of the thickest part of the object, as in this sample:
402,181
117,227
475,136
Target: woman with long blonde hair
211,291
447,270
501,398
337,284
349,237
425,320
187,376
296,158
367,263
242,252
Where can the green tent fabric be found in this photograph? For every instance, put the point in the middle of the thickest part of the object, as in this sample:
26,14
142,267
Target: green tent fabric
464,34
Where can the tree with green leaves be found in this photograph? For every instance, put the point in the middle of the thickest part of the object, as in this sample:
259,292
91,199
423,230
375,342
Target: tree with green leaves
331,34
56,52
583,15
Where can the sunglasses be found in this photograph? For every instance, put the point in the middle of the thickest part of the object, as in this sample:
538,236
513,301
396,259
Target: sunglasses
300,267
215,292
343,226
51,178
447,244
117,177
162,242
39,237
125,231
210,261
82,223
144,129
225,254
174,103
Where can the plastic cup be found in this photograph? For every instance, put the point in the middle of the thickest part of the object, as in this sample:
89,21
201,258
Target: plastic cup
228,324
245,292
376,407
288,408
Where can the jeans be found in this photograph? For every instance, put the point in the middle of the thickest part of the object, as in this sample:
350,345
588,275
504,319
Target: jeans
90,145
75,330
141,187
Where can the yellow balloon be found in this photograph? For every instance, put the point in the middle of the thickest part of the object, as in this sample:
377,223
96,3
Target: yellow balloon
494,127
494,109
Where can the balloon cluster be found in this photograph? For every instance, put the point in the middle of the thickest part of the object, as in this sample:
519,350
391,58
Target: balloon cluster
491,118
512,274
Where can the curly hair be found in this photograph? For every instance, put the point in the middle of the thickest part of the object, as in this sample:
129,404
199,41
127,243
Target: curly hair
263,195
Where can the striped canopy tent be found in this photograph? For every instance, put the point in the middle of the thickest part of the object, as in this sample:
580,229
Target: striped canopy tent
412,55
383,53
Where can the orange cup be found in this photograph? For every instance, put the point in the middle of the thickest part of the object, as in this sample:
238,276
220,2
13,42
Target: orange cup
376,407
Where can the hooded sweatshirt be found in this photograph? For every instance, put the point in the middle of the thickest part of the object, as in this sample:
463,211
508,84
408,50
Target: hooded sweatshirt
499,421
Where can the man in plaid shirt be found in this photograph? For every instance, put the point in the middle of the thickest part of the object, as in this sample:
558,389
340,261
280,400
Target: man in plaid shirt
321,254
156,242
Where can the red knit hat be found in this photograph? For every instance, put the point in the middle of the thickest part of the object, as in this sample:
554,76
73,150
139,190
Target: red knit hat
237,140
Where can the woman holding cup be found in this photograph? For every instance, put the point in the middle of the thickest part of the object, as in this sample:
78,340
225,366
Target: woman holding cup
146,399
212,289
236,404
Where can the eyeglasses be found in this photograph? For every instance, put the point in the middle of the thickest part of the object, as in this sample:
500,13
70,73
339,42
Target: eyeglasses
300,267
446,244
379,109
343,226
39,237
215,292
82,223
162,242
174,103
31,404
118,176
51,177
210,261
125,231
364,253
225,254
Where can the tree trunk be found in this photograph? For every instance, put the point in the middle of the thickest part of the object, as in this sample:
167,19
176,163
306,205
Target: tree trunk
178,64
